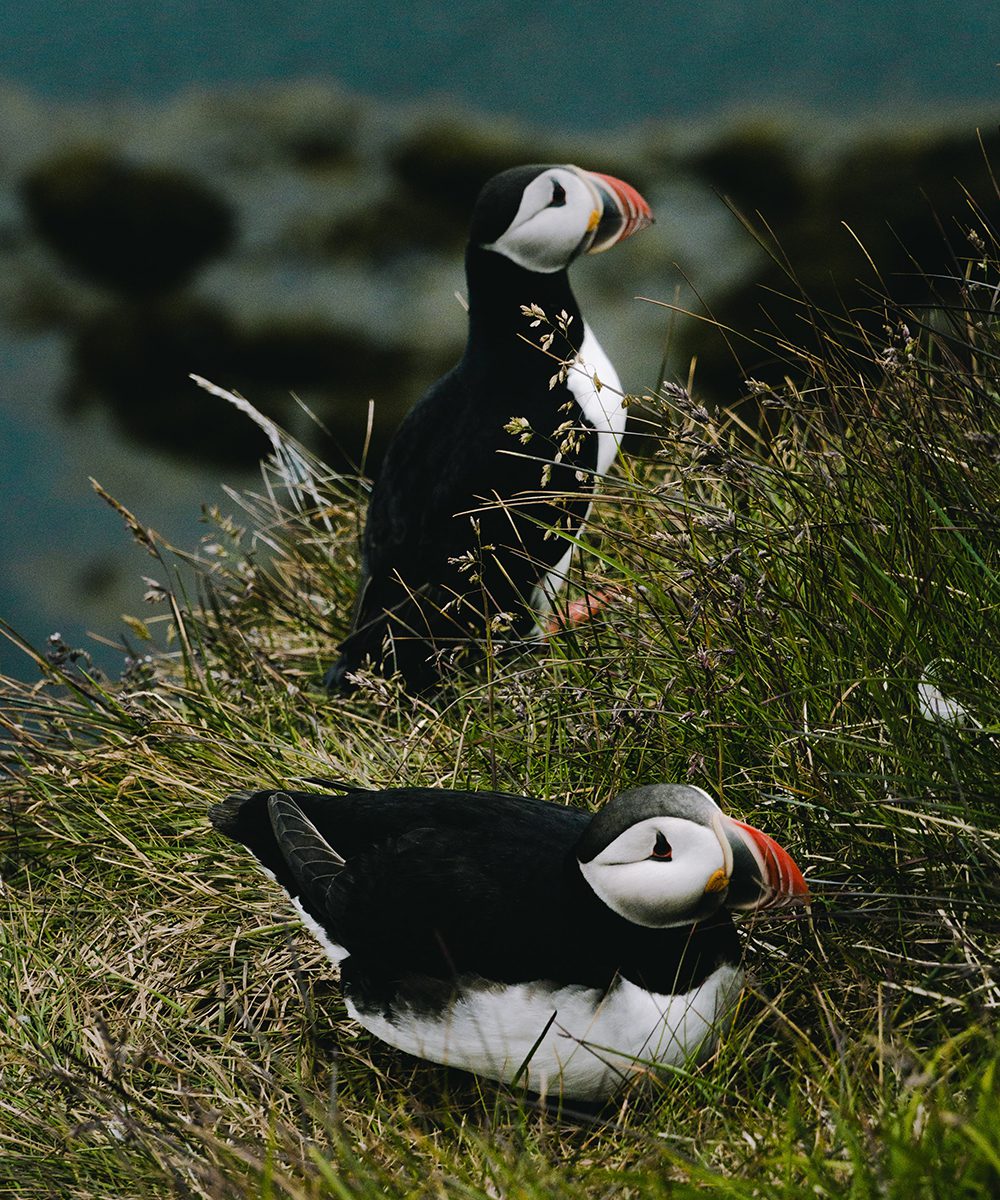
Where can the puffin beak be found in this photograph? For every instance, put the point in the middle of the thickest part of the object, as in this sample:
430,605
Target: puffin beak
619,211
764,875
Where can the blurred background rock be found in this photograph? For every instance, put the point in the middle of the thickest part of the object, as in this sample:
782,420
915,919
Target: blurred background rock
277,198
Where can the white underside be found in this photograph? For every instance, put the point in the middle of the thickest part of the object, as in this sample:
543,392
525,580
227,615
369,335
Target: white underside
602,409
333,951
587,1043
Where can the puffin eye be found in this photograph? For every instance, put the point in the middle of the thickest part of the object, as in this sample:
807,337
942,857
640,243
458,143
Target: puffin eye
558,195
661,849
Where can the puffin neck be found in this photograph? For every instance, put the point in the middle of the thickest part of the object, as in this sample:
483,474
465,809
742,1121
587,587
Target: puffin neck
498,290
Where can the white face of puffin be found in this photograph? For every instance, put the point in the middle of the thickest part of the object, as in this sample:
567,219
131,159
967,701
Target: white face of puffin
660,870
665,870
566,211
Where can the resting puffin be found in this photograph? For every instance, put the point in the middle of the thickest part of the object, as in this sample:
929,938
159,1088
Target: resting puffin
519,939
440,556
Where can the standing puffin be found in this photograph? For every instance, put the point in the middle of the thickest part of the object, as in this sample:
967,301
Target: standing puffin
460,520
519,939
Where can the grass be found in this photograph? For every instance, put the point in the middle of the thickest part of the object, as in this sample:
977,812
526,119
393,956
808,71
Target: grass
806,624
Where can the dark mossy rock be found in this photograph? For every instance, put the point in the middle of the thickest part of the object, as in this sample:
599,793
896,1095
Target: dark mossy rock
320,149
136,359
901,202
137,229
447,162
312,126
905,197
309,353
343,370
757,168
388,229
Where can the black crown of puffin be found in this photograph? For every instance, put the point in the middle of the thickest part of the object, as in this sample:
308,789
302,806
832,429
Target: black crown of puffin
542,217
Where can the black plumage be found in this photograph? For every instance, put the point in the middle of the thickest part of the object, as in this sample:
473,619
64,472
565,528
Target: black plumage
460,521
518,938
438,885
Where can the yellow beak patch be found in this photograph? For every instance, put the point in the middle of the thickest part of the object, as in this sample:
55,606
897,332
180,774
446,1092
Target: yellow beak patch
718,881
595,220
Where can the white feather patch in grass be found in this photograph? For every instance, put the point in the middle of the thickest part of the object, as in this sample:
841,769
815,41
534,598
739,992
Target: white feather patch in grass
934,705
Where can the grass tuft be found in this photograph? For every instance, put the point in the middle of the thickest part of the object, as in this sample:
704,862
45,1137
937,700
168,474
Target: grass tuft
803,618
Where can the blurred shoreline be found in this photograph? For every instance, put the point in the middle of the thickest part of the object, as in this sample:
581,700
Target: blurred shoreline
326,262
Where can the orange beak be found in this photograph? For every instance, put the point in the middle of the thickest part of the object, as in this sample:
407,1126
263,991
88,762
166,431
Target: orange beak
764,875
620,211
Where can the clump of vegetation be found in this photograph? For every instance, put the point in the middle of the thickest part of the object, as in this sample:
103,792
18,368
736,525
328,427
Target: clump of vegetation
883,215
444,162
131,357
138,229
804,622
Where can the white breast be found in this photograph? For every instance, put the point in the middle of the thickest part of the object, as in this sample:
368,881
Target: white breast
603,409
570,1040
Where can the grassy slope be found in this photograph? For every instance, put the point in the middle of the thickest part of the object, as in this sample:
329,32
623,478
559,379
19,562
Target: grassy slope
165,1029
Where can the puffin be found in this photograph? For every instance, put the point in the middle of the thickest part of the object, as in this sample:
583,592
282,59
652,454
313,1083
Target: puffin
519,939
491,474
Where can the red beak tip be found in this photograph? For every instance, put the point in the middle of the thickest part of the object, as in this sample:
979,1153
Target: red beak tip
635,211
785,882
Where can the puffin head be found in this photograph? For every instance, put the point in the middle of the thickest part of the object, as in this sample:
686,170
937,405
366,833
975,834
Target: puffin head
667,855
542,217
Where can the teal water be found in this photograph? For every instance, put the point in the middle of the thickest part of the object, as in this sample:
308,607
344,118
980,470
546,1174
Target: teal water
68,566
569,63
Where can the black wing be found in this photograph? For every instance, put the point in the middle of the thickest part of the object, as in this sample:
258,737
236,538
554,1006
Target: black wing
360,821
459,523
417,881
412,532
440,884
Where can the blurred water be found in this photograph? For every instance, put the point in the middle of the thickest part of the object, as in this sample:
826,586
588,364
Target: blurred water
585,64
67,564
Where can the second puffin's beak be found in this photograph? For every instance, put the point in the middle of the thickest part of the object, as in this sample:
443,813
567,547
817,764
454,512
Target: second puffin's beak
619,211
764,874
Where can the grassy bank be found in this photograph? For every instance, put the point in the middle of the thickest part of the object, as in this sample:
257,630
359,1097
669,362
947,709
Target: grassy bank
806,625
